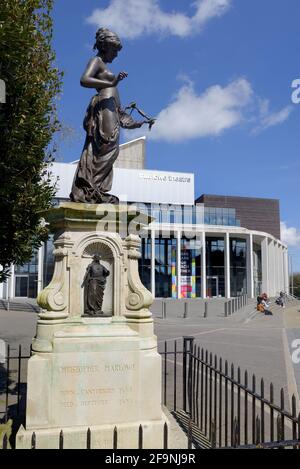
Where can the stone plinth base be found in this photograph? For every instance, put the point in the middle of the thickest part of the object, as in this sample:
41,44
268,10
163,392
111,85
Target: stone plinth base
102,437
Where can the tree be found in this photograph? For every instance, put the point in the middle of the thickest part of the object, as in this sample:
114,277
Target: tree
297,285
27,123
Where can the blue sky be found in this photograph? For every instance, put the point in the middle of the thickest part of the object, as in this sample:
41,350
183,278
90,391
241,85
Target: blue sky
216,73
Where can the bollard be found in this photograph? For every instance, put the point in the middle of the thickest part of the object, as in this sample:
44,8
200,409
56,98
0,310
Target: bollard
226,309
205,309
185,313
164,309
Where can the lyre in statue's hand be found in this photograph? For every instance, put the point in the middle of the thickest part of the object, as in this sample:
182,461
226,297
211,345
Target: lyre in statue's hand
149,120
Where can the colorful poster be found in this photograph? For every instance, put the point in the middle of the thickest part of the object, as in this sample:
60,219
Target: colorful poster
174,272
188,274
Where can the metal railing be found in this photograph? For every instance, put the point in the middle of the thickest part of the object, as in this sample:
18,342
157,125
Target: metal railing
228,409
13,375
61,444
216,405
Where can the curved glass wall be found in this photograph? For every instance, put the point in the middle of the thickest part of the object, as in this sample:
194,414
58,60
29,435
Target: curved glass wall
257,269
190,215
215,270
145,263
238,266
26,278
165,268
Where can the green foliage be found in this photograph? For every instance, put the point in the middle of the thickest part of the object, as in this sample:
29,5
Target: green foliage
297,285
27,124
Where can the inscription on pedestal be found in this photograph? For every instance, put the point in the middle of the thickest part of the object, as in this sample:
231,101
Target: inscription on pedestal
109,386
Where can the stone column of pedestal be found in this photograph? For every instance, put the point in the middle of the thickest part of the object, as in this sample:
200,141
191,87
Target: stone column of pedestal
178,263
203,265
227,266
153,262
250,269
265,265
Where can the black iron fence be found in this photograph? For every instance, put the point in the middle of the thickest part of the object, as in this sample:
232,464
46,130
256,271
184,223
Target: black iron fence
13,378
216,404
221,407
89,439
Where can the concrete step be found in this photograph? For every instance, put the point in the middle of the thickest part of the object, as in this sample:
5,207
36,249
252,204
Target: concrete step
19,305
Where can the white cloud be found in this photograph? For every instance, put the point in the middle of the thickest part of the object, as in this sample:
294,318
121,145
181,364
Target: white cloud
290,235
271,119
133,18
191,116
277,118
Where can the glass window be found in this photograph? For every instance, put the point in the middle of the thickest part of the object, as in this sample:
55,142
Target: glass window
215,265
238,266
165,268
145,263
21,288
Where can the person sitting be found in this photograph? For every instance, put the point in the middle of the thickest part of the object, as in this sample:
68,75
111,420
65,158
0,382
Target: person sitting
266,305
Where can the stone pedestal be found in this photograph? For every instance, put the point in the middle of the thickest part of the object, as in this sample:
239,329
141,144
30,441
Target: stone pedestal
94,373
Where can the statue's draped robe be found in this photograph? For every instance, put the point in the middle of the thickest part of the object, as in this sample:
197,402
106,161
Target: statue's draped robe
94,286
94,175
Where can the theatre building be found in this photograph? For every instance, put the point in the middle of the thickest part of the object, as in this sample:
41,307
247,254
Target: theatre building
210,246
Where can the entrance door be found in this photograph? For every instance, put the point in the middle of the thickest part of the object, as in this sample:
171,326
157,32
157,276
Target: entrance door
21,286
212,287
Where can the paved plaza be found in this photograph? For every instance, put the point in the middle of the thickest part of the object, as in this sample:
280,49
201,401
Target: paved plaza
259,344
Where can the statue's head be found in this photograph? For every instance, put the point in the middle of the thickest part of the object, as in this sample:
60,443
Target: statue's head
96,258
108,44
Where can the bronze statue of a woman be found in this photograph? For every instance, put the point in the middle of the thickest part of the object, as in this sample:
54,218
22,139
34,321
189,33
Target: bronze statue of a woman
104,116
94,286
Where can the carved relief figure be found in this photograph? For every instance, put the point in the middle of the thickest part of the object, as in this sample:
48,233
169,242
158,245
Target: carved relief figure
94,286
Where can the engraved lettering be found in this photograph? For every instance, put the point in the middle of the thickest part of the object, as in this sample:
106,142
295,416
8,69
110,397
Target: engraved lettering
119,367
79,369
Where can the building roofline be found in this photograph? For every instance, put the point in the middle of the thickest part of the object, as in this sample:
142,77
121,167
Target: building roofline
122,145
237,197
